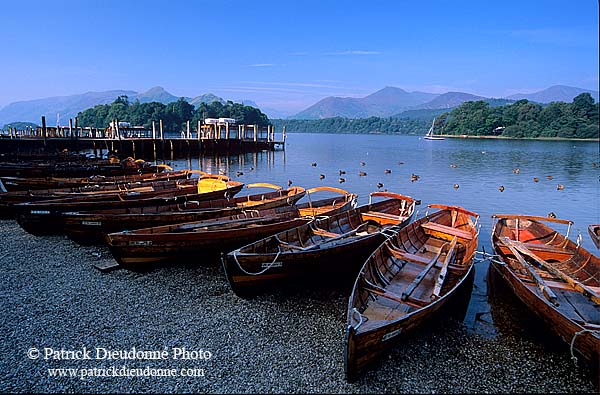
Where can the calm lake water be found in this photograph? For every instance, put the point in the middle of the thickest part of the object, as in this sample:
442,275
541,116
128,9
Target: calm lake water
479,167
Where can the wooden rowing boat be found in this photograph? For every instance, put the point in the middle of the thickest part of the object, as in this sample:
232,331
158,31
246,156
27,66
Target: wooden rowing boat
594,231
554,277
109,192
143,248
94,193
46,217
407,280
91,227
37,183
335,244
35,169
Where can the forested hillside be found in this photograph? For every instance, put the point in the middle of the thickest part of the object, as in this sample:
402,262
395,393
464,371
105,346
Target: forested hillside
523,119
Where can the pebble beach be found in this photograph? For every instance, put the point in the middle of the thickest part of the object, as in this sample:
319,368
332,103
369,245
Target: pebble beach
280,342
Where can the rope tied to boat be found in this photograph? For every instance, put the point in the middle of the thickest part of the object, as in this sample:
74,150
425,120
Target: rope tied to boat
270,265
487,257
581,332
390,231
360,318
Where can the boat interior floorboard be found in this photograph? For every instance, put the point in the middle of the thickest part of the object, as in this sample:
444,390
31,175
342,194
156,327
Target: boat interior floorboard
580,304
385,309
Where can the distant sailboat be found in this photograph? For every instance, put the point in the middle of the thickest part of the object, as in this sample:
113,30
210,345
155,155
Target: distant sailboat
430,136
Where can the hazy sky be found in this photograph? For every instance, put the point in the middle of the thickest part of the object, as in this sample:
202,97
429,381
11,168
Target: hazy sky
289,54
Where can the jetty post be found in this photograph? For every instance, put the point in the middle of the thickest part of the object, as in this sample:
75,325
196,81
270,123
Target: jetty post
44,128
76,125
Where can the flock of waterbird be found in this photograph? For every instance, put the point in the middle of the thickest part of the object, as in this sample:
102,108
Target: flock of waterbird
416,177
413,177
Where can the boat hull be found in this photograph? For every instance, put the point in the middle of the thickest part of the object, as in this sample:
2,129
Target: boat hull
329,251
335,266
144,251
363,349
409,280
89,228
586,344
561,286
594,231
47,218
25,183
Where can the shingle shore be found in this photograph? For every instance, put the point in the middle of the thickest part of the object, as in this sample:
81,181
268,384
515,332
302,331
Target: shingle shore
52,297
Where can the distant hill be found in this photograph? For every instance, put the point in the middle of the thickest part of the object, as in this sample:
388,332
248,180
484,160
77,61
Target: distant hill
449,100
69,106
390,100
396,102
385,102
272,113
430,113
330,107
157,93
66,106
206,98
554,93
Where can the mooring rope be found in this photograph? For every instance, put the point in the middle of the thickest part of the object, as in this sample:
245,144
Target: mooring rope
360,318
262,271
487,257
581,332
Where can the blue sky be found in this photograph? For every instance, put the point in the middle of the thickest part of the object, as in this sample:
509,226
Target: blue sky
289,54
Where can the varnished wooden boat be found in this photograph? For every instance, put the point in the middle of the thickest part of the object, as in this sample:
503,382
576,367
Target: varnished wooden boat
336,244
555,278
37,183
91,227
140,249
46,217
35,169
94,193
108,192
57,156
594,231
407,280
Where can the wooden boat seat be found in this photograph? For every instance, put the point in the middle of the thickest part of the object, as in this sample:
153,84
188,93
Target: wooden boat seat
420,259
435,229
412,257
547,248
323,232
377,214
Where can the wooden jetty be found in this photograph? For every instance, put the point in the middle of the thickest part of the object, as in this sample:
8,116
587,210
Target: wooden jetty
139,142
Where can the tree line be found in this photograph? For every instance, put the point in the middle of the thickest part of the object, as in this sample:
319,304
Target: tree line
354,126
523,119
174,115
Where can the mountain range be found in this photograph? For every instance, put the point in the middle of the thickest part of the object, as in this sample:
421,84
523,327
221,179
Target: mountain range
396,102
387,102
68,106
554,93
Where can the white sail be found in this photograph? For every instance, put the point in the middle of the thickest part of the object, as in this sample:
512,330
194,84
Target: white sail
429,135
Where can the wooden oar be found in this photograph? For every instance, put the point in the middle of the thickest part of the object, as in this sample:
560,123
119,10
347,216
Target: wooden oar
406,294
546,291
582,288
442,276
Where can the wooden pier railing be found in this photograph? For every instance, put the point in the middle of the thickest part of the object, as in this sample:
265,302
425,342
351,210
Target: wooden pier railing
127,140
